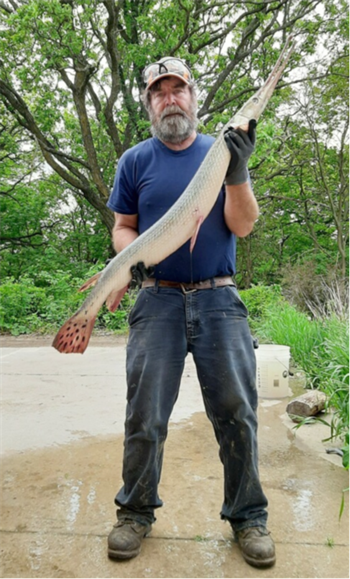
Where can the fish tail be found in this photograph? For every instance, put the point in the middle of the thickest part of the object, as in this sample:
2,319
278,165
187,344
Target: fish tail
74,335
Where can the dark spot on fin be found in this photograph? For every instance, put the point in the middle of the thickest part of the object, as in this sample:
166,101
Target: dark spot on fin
76,341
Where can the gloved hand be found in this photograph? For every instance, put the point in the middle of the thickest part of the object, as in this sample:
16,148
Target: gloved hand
139,273
241,144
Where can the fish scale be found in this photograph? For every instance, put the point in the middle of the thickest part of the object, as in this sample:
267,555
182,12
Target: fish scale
176,227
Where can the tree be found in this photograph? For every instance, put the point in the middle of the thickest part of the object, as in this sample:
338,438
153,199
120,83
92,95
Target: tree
301,179
71,71
44,227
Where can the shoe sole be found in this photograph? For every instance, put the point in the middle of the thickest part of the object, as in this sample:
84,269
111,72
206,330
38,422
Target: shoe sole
123,554
260,563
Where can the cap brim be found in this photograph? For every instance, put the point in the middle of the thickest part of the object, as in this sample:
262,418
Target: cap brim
164,75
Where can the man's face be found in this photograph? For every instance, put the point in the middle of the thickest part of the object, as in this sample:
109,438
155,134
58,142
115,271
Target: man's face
172,110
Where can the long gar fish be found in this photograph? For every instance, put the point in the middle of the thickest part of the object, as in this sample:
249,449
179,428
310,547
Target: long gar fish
178,225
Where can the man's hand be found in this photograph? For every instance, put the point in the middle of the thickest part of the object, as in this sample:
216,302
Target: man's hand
241,145
139,273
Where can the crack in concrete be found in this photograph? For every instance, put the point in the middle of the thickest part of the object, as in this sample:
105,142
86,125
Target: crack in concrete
165,538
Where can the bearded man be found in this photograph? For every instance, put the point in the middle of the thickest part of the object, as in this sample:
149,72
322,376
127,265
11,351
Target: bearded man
187,303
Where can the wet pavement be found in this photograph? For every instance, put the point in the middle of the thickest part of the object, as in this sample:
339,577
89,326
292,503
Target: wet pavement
62,445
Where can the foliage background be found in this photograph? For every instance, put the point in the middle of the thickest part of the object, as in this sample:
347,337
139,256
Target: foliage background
70,86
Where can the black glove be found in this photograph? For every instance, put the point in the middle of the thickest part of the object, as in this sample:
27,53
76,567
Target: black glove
241,145
139,273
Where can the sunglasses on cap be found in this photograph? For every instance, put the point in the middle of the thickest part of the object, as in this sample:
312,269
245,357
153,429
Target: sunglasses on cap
167,66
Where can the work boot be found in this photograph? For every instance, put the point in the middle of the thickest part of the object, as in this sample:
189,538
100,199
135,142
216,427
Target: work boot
257,546
124,540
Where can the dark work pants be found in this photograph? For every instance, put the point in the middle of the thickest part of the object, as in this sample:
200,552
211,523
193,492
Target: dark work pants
166,324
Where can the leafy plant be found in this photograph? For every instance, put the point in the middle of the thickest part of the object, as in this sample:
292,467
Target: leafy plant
20,304
258,299
43,303
320,346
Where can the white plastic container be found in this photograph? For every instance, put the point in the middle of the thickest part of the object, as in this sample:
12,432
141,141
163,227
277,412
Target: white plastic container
272,370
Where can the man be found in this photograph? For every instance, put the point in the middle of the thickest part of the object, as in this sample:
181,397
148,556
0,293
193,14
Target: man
187,304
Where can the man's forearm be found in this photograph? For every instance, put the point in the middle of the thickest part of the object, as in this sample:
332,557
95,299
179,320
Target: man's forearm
122,237
241,209
125,230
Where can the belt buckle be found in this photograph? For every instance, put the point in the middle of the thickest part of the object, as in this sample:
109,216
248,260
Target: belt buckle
187,291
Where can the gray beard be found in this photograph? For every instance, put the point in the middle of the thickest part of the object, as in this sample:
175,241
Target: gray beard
174,129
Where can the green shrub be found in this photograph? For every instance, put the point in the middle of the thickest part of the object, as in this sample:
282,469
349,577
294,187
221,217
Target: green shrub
321,348
258,299
284,324
334,379
20,306
42,304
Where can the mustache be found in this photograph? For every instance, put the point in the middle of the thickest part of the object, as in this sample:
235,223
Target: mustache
172,110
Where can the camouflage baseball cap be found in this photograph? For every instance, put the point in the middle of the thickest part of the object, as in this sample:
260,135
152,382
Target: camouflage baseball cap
167,66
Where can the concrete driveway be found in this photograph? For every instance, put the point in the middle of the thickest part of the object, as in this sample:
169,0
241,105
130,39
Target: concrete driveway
62,444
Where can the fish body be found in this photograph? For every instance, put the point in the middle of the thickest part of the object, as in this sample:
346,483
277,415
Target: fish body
178,225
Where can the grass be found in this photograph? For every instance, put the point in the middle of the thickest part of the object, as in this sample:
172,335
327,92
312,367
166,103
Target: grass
320,346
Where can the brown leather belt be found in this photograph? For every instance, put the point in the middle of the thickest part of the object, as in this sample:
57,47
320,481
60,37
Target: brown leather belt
212,283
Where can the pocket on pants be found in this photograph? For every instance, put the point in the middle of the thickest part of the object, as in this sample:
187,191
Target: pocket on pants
133,312
238,301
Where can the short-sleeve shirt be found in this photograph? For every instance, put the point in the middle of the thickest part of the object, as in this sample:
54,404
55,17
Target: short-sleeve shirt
150,177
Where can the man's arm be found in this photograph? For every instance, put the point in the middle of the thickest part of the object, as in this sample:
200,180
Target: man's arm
125,230
241,209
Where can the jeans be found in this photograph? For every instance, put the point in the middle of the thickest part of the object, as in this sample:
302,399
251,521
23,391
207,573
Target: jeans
166,324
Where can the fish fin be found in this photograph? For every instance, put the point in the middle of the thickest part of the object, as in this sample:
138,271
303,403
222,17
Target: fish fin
114,298
195,235
74,335
90,282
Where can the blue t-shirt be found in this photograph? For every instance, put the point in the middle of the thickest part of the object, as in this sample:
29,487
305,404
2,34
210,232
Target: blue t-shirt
150,178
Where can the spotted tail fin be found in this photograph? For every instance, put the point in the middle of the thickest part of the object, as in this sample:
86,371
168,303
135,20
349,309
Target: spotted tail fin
74,335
